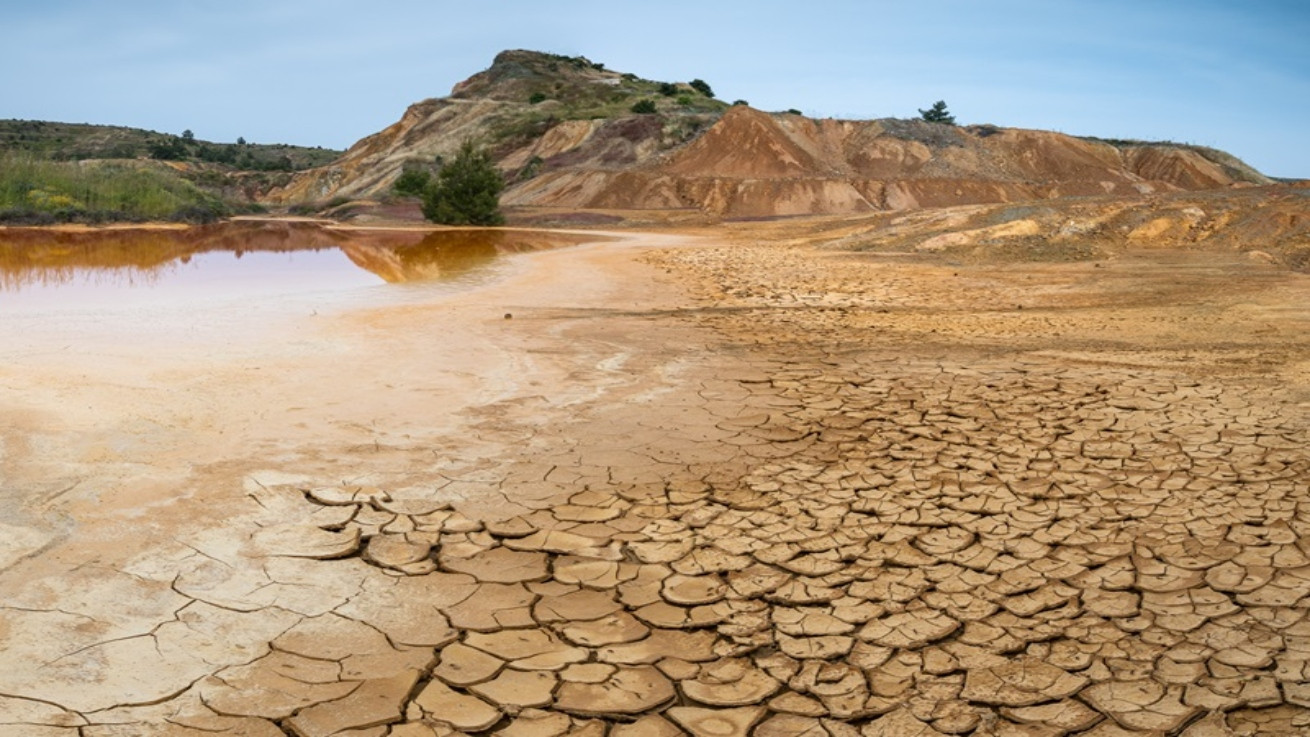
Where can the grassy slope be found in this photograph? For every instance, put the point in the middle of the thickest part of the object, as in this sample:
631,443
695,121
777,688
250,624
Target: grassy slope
78,141
70,172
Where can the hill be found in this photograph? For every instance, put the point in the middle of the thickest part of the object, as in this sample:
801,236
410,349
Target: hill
80,141
564,132
58,172
538,112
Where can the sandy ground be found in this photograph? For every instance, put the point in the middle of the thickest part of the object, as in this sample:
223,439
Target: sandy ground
699,485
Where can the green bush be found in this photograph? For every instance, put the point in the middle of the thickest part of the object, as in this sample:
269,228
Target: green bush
702,87
412,182
668,89
466,190
644,107
536,97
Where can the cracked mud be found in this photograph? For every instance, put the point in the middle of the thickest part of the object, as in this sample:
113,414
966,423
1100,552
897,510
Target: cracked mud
812,495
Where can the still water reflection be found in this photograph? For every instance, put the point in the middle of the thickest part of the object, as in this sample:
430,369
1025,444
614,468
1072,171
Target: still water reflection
44,268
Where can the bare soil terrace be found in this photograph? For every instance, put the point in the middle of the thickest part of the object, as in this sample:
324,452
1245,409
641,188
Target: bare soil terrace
722,485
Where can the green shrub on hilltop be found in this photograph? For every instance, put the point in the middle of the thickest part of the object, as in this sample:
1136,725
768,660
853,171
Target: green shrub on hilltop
702,87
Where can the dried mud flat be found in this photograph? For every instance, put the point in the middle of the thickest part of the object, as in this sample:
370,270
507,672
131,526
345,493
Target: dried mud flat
789,492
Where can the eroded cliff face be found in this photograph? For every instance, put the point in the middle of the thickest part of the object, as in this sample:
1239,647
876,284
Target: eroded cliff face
743,162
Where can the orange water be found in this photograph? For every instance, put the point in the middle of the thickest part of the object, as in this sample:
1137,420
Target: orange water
44,270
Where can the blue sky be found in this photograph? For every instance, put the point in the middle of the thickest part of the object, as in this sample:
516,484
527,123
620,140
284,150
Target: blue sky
1233,74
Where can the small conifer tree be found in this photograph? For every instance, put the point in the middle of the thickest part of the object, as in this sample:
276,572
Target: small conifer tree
937,114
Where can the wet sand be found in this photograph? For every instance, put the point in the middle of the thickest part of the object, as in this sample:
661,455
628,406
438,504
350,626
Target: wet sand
701,486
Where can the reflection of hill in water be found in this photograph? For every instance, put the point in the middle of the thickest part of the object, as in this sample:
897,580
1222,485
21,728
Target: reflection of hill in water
135,257
438,254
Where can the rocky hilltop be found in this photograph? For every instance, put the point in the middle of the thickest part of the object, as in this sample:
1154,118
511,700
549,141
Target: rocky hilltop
563,130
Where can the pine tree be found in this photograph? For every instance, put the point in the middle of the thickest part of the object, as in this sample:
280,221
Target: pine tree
466,190
937,114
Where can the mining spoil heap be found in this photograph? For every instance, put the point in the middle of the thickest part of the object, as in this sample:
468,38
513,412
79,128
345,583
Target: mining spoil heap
562,130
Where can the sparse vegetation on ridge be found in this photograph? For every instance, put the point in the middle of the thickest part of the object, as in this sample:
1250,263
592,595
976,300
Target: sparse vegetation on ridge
576,88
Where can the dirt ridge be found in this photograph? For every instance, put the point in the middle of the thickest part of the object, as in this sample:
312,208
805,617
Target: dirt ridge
562,130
